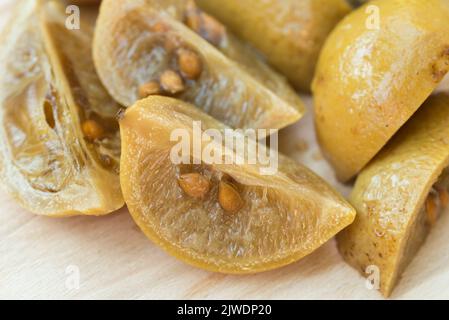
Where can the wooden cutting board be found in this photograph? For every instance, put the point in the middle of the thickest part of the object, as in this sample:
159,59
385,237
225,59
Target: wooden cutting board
40,257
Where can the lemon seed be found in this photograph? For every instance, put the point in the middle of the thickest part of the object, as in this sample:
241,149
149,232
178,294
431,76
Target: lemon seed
212,30
229,198
194,184
431,209
189,64
92,130
171,82
149,88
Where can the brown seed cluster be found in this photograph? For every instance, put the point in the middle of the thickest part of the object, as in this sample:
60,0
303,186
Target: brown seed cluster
197,186
92,130
203,24
186,65
171,81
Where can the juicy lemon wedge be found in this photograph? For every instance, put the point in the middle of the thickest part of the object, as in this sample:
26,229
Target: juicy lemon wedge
221,217
399,195
146,47
375,70
59,139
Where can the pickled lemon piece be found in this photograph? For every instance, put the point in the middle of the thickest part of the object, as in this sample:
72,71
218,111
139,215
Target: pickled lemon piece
375,70
59,140
221,217
193,58
290,33
399,196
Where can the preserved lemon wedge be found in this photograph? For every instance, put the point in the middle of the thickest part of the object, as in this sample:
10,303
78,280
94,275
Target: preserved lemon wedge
400,195
375,70
172,48
60,145
221,217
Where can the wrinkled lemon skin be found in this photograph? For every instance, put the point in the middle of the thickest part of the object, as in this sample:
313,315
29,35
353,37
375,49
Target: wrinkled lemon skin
46,92
390,192
284,216
371,78
290,33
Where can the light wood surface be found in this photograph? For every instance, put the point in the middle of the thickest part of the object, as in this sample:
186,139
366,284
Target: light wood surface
115,260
